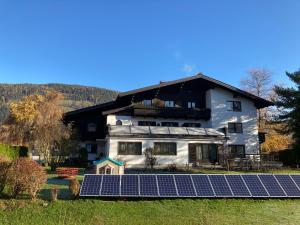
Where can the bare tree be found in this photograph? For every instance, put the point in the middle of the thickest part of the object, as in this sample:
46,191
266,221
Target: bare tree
259,82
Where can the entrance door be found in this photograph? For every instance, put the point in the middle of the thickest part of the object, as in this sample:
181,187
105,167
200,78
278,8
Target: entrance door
202,153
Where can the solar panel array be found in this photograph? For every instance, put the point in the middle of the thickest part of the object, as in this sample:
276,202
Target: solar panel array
192,185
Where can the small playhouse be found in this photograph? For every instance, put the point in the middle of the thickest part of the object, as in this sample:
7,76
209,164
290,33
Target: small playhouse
108,166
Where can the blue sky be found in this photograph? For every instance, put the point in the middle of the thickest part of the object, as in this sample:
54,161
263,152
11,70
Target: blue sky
124,45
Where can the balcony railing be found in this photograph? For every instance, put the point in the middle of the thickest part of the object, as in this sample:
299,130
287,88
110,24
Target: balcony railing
171,112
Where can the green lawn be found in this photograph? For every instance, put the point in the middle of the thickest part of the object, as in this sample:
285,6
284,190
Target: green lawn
175,211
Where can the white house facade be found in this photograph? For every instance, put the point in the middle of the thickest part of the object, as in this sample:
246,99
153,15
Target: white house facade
191,121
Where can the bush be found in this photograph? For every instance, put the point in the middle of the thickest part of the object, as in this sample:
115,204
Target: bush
83,157
4,165
13,152
150,159
74,187
25,175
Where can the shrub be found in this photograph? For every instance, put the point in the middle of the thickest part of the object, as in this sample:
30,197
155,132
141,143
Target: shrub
25,175
172,167
150,159
74,187
13,152
83,157
4,165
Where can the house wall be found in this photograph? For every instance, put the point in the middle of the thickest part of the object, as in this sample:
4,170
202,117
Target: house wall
248,117
181,159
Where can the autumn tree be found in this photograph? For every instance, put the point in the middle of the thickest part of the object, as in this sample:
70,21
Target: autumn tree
37,122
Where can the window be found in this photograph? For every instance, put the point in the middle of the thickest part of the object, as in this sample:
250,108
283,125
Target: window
91,148
169,104
235,128
234,106
129,148
147,102
91,127
119,122
165,148
191,125
169,124
237,150
191,105
146,123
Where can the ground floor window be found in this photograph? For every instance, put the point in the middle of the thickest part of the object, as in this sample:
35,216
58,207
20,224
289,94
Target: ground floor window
129,148
202,153
165,148
91,148
237,150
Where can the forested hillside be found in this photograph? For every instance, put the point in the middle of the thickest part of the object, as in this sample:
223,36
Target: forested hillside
76,96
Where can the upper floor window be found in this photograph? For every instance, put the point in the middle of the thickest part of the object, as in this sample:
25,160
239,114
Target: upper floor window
237,150
147,102
169,104
129,148
91,127
169,124
235,128
146,123
234,106
191,105
165,148
191,124
91,148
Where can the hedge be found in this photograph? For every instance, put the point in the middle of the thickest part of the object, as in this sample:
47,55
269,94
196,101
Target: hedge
13,152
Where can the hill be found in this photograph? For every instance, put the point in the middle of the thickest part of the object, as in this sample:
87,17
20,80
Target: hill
76,96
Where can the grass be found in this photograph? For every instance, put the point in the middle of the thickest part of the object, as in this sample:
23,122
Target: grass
175,211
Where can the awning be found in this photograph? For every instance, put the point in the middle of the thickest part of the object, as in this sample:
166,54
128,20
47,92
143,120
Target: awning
153,131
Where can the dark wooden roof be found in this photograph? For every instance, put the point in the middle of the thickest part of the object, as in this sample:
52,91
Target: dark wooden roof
260,102
119,103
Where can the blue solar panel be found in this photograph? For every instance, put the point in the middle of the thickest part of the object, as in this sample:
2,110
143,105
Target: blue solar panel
271,185
237,186
166,185
148,185
110,185
184,185
202,186
130,185
220,185
91,185
288,185
296,178
255,186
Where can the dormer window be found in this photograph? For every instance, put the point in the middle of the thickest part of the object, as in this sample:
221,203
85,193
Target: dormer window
191,105
169,104
235,106
147,102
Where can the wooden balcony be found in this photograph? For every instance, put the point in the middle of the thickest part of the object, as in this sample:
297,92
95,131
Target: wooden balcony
171,112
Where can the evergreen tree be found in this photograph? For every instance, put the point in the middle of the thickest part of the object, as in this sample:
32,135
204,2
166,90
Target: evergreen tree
289,101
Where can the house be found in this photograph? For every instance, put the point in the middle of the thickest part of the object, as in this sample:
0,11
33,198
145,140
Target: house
194,120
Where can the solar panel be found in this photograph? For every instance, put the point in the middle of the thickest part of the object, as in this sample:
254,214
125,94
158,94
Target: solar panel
91,185
255,186
271,185
130,185
296,178
148,185
194,185
110,185
166,185
288,185
220,185
202,186
184,185
237,185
